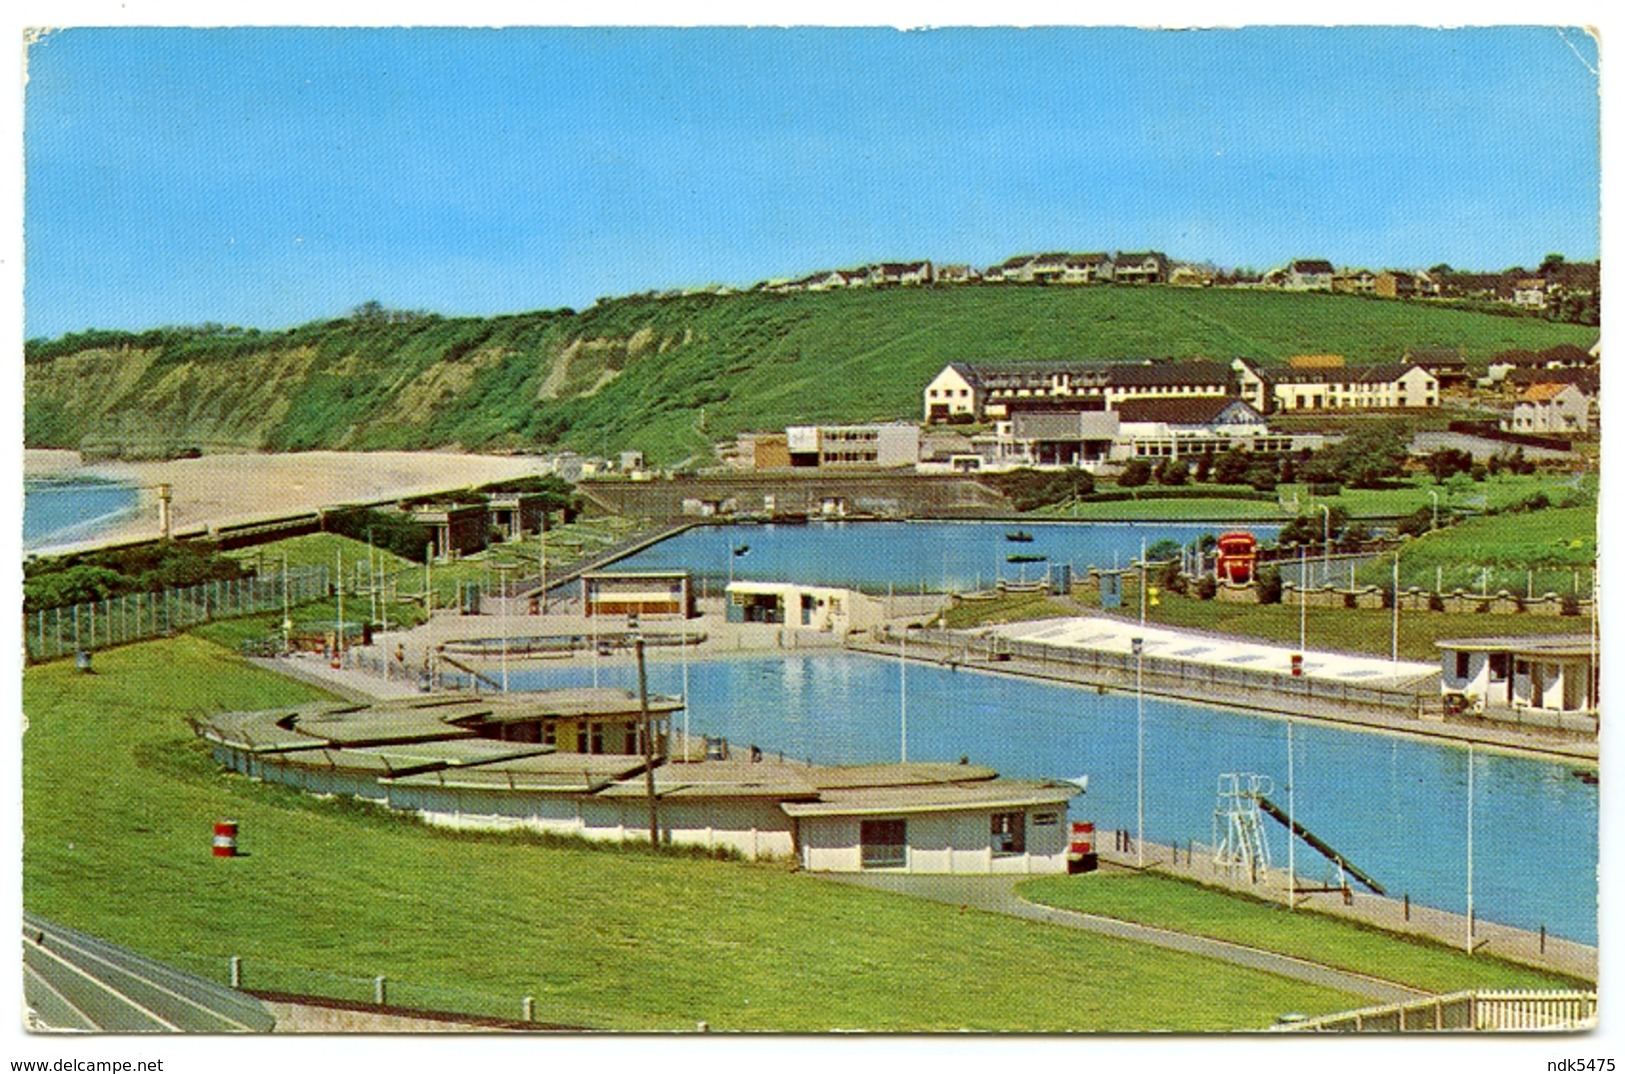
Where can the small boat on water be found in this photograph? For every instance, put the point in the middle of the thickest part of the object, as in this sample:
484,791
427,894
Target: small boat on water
1018,535
1025,557
742,549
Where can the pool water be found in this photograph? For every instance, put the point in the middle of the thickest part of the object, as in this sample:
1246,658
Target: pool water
1394,807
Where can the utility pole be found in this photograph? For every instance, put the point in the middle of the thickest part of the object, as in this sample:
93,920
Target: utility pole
1139,751
1291,824
902,671
648,746
287,609
1396,616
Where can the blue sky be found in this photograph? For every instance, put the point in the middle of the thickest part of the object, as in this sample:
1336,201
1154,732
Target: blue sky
269,177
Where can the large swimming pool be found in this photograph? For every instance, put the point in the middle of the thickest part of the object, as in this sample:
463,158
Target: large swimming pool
1395,807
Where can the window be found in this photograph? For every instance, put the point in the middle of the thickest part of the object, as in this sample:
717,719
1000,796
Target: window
883,843
1009,833
1462,662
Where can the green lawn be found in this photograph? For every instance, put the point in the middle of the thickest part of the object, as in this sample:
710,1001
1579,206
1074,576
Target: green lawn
1184,906
1554,544
330,894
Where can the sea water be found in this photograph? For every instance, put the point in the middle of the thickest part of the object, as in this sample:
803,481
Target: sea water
60,511
1397,808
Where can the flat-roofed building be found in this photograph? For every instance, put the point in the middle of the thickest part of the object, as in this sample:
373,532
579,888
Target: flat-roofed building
450,771
456,529
1549,680
516,514
641,593
823,608
877,446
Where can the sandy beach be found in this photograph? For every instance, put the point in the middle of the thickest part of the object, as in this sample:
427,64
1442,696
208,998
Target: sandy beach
218,490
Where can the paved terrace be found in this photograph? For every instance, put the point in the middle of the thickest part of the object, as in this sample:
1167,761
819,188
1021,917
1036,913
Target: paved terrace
1216,651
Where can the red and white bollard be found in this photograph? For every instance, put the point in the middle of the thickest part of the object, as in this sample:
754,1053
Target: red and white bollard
1081,856
225,839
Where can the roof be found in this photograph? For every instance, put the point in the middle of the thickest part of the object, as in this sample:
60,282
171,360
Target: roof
1199,372
1432,356
1317,361
1186,410
379,727
574,702
561,773
1373,374
935,798
1587,380
1568,354
1517,358
1533,644
1311,265
1064,425
1545,392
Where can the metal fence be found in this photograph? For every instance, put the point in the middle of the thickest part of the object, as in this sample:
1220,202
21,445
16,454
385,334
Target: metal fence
1513,1012
99,624
259,975
1264,689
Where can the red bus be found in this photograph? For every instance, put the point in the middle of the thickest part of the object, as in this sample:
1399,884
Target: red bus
1238,551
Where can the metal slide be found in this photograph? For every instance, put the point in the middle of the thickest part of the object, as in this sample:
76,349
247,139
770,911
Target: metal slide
1318,844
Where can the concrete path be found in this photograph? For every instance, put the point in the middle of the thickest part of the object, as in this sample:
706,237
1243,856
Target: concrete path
997,894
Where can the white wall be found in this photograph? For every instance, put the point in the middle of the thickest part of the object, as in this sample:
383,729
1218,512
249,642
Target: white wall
950,842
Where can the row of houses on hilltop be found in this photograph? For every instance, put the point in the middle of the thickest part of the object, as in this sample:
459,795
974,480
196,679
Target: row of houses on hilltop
1530,290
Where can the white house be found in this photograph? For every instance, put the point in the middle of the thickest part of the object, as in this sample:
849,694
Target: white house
1550,408
1390,386
1308,275
1550,680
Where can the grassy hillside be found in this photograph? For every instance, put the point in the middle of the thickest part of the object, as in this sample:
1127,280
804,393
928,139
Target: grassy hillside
669,376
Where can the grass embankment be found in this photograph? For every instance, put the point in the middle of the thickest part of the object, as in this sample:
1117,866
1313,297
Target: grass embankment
1552,545
119,798
671,376
1177,504
1184,906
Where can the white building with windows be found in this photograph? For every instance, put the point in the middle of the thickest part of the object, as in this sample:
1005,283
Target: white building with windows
1390,386
1547,680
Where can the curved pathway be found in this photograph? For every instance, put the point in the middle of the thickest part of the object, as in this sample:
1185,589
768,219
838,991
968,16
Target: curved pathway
997,894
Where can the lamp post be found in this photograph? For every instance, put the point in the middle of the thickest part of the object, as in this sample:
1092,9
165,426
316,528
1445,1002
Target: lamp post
502,570
1326,545
1291,824
1396,616
1303,597
1139,751
902,671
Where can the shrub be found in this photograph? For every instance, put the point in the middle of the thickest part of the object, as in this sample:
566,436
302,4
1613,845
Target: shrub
1135,474
1570,604
1350,601
1269,586
1173,472
1435,602
1207,587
